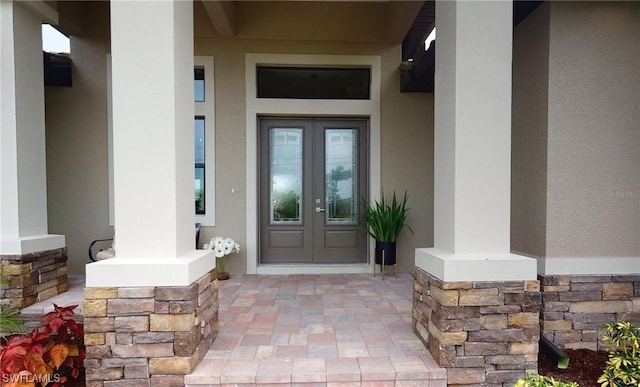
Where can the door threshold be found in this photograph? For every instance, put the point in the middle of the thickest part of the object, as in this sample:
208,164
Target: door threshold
319,268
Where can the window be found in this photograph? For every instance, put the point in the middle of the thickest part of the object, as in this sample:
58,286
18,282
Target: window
204,145
198,84
200,165
314,82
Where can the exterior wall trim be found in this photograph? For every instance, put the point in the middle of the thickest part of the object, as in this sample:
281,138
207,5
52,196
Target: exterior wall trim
588,265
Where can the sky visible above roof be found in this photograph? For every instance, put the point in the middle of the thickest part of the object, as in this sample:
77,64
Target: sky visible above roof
54,41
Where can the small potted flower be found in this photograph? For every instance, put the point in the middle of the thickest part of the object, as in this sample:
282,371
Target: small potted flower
222,247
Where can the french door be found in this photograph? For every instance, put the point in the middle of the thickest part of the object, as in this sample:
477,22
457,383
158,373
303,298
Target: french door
313,173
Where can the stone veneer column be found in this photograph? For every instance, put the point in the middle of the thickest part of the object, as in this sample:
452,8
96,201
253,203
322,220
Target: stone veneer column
483,333
472,137
476,305
151,312
33,260
148,336
33,277
575,307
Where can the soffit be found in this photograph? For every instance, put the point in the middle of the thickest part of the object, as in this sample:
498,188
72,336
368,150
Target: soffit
339,21
346,21
84,17
408,22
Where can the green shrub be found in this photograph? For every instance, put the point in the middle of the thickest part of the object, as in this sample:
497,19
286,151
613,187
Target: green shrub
10,321
533,380
623,366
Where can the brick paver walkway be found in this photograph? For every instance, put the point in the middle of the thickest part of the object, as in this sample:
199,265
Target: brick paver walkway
325,330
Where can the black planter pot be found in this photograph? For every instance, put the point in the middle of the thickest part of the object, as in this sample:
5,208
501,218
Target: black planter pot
389,249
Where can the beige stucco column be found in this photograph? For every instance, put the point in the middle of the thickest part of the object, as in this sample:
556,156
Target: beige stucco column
469,279
473,146
153,151
23,186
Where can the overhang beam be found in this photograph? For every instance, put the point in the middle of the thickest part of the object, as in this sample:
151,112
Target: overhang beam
222,16
46,13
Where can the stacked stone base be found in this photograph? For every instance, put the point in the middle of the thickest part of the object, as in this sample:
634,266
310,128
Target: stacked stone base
148,336
483,333
33,277
575,307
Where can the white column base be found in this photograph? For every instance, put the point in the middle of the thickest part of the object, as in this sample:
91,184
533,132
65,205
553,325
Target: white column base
450,267
31,244
134,272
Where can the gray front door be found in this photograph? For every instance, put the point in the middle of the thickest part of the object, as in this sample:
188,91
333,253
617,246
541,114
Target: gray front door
312,175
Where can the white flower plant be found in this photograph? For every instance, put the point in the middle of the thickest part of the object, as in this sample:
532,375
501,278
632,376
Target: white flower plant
222,247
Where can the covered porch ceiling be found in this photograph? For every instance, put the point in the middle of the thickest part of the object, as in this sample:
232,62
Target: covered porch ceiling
350,21
328,21
406,22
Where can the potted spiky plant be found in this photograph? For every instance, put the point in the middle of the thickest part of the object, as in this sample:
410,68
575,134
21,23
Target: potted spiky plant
385,220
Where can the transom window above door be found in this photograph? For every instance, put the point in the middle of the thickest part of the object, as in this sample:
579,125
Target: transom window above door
314,82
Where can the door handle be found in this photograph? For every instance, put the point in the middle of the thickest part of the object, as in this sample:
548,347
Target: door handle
318,209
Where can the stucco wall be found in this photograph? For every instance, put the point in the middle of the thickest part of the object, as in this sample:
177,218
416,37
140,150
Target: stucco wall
407,157
77,143
407,138
76,130
529,133
593,202
576,131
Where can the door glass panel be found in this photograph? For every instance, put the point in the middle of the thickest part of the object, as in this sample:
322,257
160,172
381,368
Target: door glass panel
341,157
285,147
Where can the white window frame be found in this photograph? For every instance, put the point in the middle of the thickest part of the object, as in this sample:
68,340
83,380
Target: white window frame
112,217
206,109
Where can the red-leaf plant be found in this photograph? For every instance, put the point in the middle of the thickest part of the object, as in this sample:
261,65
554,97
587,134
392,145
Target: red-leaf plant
51,355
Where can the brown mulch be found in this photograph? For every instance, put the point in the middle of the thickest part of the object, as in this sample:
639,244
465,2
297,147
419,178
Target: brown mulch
585,367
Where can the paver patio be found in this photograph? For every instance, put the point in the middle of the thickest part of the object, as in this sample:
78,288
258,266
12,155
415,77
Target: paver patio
324,330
